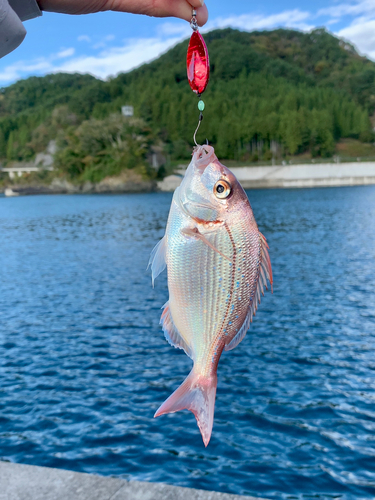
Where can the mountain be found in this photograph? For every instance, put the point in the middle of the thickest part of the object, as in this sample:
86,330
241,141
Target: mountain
279,92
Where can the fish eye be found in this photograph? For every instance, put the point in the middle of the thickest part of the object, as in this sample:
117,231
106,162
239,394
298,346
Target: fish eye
222,189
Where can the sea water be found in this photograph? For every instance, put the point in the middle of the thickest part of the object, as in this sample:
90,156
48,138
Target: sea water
84,364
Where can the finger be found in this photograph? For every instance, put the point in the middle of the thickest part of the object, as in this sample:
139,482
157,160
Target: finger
71,6
202,15
184,10
194,4
161,8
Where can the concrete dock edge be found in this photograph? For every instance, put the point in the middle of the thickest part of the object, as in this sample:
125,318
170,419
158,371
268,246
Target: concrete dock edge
30,482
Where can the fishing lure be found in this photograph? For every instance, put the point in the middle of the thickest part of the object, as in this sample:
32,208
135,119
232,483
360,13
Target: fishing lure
198,66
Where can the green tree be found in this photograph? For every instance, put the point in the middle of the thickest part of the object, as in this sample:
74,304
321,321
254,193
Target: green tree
264,86
10,147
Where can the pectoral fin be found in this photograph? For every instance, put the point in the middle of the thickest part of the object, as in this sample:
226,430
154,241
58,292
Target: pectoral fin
158,259
194,233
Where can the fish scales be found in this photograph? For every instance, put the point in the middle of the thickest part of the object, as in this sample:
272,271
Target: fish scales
217,261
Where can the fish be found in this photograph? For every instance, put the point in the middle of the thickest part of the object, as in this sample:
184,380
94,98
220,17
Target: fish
218,266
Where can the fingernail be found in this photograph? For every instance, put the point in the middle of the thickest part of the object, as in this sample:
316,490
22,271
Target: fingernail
202,2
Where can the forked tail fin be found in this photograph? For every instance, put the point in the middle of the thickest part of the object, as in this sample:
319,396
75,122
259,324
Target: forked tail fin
197,393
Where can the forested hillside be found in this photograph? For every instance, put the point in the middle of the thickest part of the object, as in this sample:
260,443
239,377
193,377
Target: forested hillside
281,91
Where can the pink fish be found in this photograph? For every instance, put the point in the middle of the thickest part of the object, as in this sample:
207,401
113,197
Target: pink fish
218,266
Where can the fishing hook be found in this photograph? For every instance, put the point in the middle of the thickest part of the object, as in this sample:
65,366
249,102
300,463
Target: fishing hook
196,130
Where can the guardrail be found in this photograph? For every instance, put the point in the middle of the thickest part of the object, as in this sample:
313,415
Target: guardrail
19,171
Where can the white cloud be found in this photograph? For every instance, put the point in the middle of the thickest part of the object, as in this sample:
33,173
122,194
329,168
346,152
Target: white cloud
332,21
362,34
118,59
41,65
361,30
354,8
65,53
17,70
250,22
84,38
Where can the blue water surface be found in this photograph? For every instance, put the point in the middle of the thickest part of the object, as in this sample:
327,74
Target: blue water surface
84,364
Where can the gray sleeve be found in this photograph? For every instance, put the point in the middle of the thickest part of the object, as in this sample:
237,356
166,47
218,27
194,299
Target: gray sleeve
25,9
12,31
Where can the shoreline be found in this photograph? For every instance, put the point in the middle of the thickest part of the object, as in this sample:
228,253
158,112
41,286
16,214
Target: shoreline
127,182
266,177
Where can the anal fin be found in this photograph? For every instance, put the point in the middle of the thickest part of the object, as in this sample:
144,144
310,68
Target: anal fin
171,333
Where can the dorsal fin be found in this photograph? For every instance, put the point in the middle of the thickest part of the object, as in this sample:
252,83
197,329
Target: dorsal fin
171,333
265,272
158,259
265,263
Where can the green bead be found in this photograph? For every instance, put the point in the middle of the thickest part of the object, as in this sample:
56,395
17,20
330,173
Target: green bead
201,105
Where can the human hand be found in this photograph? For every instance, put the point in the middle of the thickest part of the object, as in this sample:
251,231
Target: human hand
155,8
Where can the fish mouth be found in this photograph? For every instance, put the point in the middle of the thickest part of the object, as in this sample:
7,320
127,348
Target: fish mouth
203,156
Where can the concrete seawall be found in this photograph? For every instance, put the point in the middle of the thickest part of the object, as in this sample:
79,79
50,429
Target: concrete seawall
28,482
294,176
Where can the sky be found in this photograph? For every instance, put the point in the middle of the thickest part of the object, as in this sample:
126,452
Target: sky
108,43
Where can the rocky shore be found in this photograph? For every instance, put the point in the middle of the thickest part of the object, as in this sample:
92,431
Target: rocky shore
126,182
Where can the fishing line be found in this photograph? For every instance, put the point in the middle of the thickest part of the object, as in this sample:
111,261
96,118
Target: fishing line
196,130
